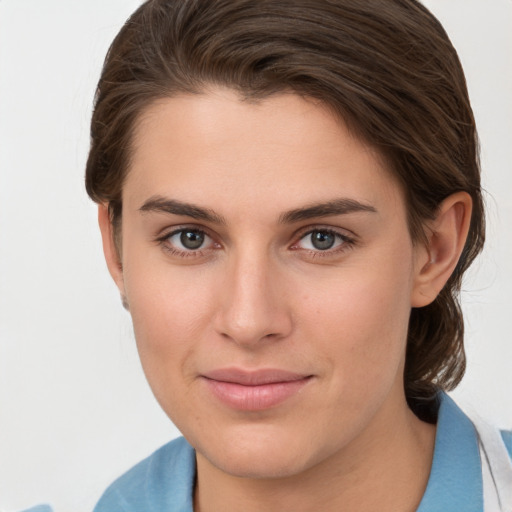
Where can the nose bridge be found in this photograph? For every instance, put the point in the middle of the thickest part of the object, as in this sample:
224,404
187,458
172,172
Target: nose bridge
253,307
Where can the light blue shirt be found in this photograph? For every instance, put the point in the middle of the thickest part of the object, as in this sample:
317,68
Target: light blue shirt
165,480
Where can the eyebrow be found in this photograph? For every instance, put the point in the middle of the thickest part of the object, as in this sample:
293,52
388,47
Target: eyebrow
160,204
340,206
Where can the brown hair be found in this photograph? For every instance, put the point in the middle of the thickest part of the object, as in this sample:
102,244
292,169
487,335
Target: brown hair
386,67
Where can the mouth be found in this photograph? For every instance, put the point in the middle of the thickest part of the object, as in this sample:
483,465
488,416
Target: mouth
254,390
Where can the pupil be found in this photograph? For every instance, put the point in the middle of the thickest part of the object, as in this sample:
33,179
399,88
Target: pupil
322,240
191,239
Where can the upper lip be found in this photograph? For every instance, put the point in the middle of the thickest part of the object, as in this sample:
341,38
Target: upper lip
254,377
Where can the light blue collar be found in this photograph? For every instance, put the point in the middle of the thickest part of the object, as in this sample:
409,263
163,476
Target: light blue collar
455,482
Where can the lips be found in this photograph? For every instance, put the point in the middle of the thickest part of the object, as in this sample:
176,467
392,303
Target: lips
254,390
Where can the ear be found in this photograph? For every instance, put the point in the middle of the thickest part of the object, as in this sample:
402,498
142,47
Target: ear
436,261
112,256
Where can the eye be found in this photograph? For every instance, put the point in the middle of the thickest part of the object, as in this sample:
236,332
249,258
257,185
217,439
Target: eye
186,241
323,240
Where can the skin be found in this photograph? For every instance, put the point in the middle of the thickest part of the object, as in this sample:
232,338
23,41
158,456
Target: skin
259,294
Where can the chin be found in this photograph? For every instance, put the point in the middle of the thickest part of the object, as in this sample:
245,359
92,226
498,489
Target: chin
260,454
260,465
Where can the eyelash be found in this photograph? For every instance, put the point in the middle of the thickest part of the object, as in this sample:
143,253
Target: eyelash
347,242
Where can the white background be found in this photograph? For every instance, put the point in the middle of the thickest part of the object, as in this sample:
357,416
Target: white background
75,410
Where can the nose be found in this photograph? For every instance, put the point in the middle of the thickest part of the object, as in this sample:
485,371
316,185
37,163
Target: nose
252,305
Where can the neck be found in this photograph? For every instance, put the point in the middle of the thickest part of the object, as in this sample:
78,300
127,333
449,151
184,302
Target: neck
385,468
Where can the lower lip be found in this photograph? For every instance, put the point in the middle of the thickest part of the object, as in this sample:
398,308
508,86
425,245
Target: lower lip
255,398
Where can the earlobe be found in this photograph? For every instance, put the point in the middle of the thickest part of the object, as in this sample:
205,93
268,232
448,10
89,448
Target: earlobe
447,235
110,250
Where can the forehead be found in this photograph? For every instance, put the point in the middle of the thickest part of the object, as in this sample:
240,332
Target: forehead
219,149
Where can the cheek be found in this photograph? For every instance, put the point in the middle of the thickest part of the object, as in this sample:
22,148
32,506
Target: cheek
359,324
171,309
165,315
165,300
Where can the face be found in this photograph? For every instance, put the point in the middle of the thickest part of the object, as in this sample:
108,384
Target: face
269,271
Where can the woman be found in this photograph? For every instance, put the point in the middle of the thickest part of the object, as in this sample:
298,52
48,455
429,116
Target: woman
289,196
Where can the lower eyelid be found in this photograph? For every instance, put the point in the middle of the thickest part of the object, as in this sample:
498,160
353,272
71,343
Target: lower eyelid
182,254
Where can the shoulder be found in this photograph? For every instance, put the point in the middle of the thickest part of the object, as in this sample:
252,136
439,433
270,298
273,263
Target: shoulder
161,481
